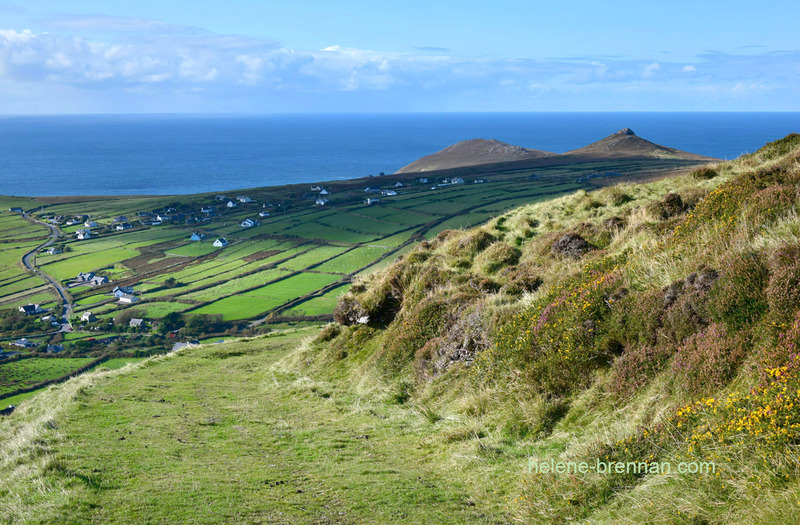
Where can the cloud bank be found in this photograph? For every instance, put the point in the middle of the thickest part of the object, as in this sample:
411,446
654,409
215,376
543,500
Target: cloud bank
97,63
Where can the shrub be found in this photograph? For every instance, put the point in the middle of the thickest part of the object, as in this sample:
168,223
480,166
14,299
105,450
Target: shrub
738,298
556,343
618,197
411,330
671,206
704,173
708,360
785,351
571,245
636,367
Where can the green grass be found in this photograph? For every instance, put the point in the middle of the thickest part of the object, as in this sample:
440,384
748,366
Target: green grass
184,443
118,362
155,310
352,260
196,249
311,257
259,301
70,268
27,372
322,305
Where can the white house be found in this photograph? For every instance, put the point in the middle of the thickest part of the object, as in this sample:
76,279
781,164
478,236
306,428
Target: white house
24,343
231,204
219,243
457,180
98,280
316,188
88,317
196,236
54,251
371,200
90,224
398,185
136,323
321,201
85,277
31,309
123,226
422,180
221,198
480,181
208,209
15,210
127,298
323,192
119,291
388,193
249,223
263,214
83,235
244,198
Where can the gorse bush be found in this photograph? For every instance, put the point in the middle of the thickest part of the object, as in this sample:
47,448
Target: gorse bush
557,342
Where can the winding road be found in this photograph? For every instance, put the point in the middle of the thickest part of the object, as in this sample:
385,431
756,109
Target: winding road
29,261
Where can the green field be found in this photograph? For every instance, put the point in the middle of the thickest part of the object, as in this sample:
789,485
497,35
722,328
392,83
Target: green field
27,372
344,237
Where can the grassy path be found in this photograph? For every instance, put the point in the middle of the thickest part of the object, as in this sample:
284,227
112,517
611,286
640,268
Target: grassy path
218,434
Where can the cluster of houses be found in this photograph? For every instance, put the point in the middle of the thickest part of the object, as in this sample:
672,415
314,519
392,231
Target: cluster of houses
28,345
222,241
35,309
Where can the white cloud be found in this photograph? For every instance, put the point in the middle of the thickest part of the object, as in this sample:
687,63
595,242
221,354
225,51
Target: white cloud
132,55
650,70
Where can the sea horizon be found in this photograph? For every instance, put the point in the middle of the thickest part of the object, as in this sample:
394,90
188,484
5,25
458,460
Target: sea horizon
182,153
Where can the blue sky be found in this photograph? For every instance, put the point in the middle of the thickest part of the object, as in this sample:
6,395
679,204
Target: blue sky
271,56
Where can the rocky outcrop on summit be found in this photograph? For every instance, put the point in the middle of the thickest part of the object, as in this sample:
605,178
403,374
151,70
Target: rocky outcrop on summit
472,153
625,143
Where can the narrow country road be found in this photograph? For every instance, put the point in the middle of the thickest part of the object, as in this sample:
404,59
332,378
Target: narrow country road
29,261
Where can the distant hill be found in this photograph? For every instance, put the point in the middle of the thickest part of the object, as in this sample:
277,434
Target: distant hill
473,153
622,144
625,143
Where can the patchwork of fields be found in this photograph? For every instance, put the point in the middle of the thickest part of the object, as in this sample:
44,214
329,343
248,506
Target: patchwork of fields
18,237
293,263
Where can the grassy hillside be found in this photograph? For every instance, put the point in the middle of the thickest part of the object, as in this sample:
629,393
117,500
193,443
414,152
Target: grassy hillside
639,323
652,324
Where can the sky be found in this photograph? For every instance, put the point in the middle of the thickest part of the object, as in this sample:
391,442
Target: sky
353,56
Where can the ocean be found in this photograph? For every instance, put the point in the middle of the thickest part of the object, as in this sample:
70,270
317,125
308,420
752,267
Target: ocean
169,154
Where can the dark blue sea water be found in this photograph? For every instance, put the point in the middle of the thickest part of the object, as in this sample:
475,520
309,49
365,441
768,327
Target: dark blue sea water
115,155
